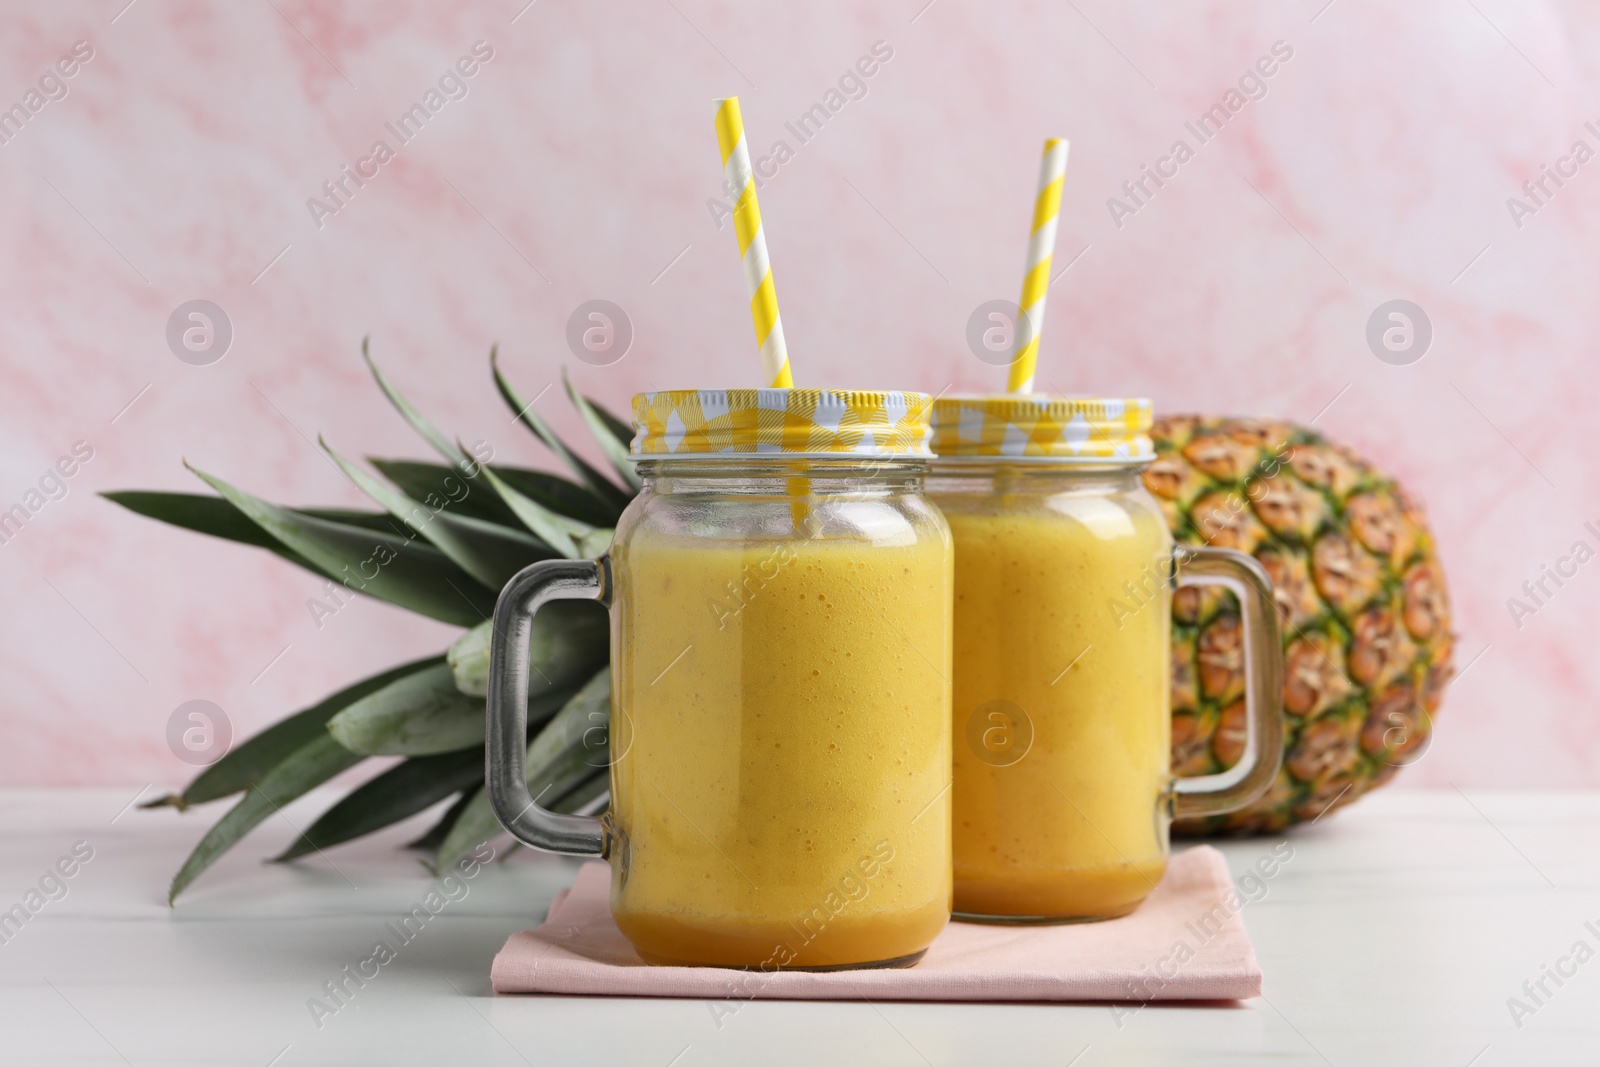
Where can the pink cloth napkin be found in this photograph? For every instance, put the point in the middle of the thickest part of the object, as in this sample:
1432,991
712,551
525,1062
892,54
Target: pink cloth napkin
1186,942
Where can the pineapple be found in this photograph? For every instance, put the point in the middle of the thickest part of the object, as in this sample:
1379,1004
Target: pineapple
447,536
1361,602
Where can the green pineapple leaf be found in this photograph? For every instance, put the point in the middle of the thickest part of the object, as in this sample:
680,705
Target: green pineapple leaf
554,529
468,657
420,480
560,495
569,641
435,835
208,515
585,793
574,794
527,509
443,545
418,715
599,484
561,756
423,713
618,427
559,535
490,553
596,544
304,769
380,521
441,444
244,765
413,576
616,451
398,793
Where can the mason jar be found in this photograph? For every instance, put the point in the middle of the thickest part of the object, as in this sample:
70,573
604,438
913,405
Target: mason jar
1064,791
780,598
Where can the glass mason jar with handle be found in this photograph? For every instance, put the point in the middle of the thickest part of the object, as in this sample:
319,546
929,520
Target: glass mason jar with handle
780,599
1064,791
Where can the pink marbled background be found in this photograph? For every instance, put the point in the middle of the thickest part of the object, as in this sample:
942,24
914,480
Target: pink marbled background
180,163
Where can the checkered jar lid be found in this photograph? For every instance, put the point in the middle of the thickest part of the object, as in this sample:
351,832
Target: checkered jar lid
1071,429
810,422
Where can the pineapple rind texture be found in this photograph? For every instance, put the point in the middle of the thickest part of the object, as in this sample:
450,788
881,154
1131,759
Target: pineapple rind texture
1361,603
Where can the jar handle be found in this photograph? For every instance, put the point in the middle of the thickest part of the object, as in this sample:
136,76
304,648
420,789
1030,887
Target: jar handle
507,759
1257,769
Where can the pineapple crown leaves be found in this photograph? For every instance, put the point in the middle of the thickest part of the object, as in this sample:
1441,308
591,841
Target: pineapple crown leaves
447,537
489,552
615,431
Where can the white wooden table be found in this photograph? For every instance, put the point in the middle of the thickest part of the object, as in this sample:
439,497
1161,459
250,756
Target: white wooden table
1396,934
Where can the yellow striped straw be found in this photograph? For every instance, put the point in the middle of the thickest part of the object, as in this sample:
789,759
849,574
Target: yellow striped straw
1041,251
752,244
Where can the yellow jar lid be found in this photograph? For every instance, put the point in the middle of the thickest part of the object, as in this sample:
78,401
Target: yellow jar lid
1081,429
812,422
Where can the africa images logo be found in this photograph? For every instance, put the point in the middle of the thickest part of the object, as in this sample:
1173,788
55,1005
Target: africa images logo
452,85
1252,85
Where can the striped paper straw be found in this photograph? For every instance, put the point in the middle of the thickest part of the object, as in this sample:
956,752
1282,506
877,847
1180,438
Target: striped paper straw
753,244
1041,250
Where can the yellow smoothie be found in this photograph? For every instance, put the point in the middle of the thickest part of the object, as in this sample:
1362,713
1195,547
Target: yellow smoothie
1062,622
781,740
